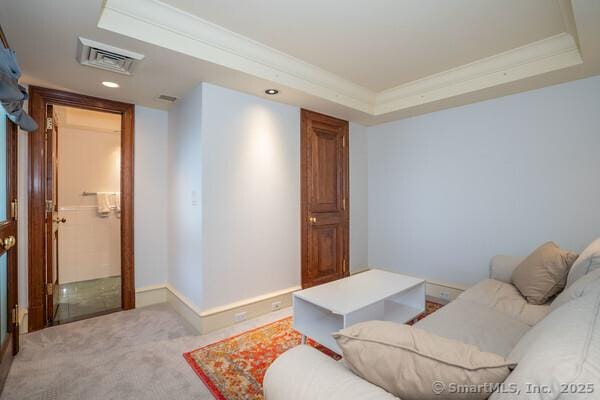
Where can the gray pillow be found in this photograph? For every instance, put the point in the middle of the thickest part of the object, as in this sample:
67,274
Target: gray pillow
587,261
559,354
587,284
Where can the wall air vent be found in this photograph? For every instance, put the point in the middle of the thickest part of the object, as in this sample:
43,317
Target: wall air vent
167,98
104,56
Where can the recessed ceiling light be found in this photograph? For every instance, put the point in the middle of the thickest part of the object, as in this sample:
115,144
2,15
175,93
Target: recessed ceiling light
271,92
110,84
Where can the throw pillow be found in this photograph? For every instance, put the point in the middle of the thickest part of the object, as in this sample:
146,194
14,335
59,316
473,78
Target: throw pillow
587,284
411,363
587,261
543,274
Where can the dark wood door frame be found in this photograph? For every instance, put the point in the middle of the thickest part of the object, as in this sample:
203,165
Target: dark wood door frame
8,228
333,216
38,99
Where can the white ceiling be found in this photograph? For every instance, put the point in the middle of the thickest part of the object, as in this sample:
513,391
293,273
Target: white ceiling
380,44
347,50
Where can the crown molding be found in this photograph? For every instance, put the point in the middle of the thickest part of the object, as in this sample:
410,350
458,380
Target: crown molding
163,25
550,54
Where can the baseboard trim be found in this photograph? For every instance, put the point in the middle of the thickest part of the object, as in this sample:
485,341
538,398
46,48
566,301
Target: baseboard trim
441,293
205,321
148,295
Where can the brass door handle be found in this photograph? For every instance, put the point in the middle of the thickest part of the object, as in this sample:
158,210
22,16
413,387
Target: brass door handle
60,220
312,220
8,242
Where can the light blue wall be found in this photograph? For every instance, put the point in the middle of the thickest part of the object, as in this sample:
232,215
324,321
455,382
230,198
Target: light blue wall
450,189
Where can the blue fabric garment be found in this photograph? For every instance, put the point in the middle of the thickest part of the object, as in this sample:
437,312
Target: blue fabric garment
9,64
12,95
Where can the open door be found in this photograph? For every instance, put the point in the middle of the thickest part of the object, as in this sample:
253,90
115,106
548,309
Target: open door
9,312
52,219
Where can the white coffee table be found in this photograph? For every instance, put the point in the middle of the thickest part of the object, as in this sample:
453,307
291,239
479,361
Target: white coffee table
372,295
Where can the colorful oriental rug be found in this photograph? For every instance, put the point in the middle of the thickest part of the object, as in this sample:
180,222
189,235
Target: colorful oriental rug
234,368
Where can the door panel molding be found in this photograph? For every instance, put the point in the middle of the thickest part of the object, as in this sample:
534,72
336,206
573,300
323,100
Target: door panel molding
324,198
38,99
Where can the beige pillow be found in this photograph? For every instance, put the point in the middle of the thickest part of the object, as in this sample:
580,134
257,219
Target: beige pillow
543,274
411,363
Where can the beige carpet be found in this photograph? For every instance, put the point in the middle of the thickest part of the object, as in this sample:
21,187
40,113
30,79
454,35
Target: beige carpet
127,355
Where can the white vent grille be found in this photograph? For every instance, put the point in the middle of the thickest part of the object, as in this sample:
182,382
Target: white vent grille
104,56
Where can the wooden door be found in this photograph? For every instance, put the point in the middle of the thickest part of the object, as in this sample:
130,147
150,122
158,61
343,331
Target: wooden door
9,309
324,170
52,219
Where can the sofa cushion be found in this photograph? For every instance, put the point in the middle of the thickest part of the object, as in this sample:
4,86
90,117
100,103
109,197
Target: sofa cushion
408,362
303,373
589,283
587,261
562,349
543,273
475,324
505,298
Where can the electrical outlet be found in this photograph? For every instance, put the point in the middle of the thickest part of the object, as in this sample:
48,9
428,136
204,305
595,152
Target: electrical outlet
276,305
445,295
239,317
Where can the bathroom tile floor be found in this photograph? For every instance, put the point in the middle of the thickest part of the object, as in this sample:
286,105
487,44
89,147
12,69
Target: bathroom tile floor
78,300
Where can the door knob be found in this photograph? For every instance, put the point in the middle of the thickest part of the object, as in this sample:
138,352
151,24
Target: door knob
8,242
312,220
60,220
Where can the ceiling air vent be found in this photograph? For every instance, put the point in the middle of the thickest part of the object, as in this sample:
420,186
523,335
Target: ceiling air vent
104,56
167,98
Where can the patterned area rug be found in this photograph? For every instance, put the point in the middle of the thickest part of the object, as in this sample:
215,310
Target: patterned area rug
234,368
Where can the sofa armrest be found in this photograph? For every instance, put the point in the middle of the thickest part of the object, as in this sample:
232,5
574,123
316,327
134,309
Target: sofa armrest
502,267
304,373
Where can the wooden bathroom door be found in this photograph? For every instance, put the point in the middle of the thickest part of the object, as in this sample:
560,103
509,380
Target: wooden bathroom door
52,219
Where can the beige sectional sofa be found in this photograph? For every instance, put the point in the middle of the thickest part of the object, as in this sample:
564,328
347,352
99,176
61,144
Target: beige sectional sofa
554,346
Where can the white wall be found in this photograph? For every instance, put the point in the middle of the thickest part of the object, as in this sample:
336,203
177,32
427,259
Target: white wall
150,196
359,249
89,245
185,241
250,196
449,190
241,155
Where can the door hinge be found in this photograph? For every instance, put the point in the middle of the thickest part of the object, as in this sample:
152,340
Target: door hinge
344,265
15,315
343,141
49,123
14,210
49,289
49,205
343,204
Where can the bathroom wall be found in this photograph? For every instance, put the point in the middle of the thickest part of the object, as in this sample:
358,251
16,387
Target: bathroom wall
89,145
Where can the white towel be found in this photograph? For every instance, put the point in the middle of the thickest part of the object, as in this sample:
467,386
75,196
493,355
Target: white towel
117,202
103,202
